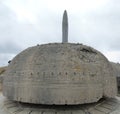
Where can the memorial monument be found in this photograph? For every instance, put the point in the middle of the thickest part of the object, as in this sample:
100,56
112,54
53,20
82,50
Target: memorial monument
60,75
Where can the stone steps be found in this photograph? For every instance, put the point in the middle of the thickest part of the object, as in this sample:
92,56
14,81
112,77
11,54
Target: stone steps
102,107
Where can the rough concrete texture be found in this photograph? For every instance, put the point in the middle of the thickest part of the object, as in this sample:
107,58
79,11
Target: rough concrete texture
104,106
59,74
116,69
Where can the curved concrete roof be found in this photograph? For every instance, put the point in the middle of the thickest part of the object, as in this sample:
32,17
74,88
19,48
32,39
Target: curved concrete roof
59,73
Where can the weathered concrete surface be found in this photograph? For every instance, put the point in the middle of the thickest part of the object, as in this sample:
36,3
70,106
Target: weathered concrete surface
59,74
108,106
3,109
116,69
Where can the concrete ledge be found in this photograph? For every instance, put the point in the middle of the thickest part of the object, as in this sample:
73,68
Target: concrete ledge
108,106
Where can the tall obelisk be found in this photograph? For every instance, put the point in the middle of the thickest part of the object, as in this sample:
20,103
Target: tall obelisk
65,27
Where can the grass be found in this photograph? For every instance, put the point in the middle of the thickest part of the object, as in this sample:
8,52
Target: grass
2,70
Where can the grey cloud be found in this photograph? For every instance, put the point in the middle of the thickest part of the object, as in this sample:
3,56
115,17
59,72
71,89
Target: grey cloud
10,47
102,27
4,58
99,29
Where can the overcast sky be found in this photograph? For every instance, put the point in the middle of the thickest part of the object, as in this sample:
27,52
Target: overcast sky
25,23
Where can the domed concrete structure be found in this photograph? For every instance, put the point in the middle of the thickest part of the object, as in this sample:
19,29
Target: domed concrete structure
59,73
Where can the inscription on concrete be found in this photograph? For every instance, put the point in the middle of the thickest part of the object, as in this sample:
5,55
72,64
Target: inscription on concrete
59,74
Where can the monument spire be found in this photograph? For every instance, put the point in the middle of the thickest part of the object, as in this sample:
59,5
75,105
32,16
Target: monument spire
65,27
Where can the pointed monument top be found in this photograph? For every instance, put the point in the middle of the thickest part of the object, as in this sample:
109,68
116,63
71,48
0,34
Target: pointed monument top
65,11
65,27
